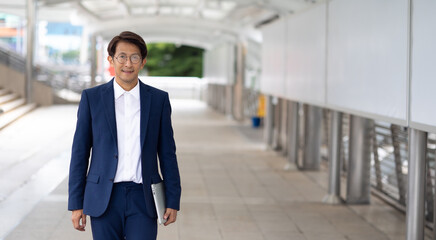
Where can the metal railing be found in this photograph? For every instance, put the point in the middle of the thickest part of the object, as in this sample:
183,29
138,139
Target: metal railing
12,60
389,164
61,78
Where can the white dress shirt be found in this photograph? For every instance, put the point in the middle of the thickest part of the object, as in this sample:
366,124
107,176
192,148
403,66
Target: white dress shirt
128,115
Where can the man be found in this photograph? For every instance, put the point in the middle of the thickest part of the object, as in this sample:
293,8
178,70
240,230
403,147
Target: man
127,125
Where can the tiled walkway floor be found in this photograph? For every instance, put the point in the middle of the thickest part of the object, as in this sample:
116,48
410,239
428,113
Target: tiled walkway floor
233,189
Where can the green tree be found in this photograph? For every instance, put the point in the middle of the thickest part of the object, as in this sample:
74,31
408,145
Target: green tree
166,59
71,57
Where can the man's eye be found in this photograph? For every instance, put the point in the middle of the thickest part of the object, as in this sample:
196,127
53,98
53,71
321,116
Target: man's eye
122,57
135,57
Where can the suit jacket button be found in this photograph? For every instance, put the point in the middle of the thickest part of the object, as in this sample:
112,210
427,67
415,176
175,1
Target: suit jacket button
111,179
116,156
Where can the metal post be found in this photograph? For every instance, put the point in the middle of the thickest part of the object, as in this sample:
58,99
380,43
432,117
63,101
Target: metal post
212,97
229,102
377,162
93,59
312,143
31,23
335,143
398,162
416,185
358,186
223,98
238,107
284,127
294,119
276,144
269,120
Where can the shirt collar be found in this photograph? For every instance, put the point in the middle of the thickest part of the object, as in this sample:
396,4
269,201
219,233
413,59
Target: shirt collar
118,90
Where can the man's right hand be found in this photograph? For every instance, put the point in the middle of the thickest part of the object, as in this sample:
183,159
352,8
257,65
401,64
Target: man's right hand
78,217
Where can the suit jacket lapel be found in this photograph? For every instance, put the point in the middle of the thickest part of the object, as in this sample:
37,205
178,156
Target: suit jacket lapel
108,99
145,96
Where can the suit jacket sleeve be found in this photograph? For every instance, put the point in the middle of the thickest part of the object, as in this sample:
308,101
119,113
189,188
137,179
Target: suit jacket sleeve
82,144
168,159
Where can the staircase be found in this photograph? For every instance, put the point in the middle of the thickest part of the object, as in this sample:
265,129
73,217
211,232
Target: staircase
12,107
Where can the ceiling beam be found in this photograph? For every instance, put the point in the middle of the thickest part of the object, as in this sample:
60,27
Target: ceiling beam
166,22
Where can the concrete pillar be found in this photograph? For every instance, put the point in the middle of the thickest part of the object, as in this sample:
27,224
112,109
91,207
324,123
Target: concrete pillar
416,185
223,97
293,132
238,90
335,143
101,57
284,126
358,186
30,53
93,59
269,120
212,95
293,128
229,101
276,144
312,143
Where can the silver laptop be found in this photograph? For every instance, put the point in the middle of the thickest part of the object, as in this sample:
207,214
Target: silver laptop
158,190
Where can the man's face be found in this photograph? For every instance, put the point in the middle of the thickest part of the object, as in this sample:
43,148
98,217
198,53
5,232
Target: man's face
126,70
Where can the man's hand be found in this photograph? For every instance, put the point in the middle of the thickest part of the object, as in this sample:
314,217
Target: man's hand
76,216
170,215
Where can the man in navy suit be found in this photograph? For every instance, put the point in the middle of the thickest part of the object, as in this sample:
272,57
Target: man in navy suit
125,126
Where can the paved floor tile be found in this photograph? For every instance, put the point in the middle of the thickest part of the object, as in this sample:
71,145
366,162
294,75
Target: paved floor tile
232,189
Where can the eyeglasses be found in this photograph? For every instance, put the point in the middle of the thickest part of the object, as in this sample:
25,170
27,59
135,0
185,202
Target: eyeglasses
122,58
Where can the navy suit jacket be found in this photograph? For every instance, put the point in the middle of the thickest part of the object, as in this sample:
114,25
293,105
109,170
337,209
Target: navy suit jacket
90,182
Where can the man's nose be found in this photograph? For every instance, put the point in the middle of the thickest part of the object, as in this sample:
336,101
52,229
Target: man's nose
128,62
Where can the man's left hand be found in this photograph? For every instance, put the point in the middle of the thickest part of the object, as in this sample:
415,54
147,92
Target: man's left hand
170,215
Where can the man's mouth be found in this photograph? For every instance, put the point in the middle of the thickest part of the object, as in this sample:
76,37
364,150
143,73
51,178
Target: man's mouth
127,71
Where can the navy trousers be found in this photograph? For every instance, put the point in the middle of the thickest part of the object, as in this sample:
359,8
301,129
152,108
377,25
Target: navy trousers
125,217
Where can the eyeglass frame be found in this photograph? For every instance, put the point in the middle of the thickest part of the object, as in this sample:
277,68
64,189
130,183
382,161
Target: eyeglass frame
122,54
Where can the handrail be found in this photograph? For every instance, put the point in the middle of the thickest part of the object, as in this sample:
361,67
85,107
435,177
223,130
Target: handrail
61,78
12,59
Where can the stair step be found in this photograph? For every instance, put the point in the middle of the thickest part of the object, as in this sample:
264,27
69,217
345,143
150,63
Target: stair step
8,97
3,92
11,116
12,105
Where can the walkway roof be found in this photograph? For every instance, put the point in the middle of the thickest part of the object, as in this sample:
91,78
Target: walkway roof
202,23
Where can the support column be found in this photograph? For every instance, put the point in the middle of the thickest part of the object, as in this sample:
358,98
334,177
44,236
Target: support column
312,143
293,127
416,184
100,59
269,120
30,53
238,90
93,59
284,126
276,144
358,186
229,100
335,143
223,98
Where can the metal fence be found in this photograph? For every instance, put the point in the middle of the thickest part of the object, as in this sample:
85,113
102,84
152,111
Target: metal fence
12,60
389,164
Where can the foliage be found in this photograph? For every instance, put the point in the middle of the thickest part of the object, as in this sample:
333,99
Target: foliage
166,59
71,56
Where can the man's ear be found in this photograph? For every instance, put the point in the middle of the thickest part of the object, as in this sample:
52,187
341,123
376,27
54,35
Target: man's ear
143,62
110,60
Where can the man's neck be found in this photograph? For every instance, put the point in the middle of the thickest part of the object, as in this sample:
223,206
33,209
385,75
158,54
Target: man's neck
126,86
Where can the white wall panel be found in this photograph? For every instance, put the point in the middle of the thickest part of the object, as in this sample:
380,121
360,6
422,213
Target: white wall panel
273,58
423,72
219,65
306,56
368,58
